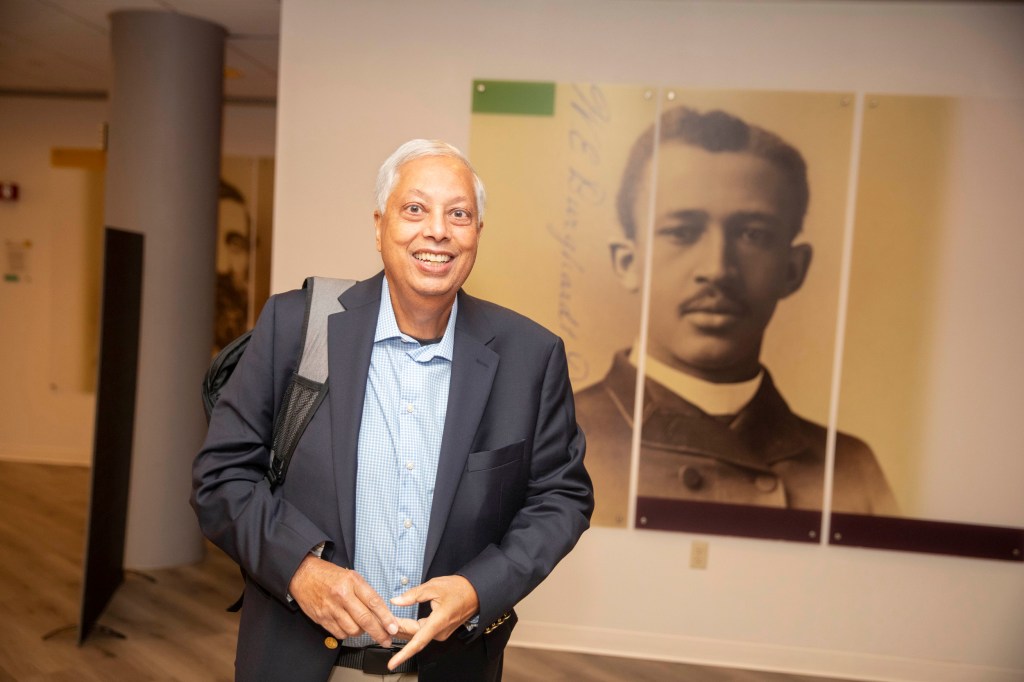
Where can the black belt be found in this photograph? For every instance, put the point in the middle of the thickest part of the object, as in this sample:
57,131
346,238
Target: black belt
373,660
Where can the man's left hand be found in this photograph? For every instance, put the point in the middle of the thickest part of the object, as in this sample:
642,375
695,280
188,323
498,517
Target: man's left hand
453,601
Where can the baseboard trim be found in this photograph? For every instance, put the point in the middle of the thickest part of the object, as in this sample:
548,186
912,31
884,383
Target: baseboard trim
750,656
33,456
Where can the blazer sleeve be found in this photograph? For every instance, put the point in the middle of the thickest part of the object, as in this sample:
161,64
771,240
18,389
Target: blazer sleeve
266,535
556,509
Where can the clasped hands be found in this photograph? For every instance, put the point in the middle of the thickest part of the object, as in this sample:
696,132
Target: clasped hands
343,603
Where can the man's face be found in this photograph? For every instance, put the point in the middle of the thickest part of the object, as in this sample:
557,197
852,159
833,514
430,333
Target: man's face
233,246
428,234
722,258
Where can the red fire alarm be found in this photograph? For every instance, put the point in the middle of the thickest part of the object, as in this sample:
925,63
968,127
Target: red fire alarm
8,191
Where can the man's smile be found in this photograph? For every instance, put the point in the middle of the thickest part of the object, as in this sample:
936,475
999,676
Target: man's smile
429,257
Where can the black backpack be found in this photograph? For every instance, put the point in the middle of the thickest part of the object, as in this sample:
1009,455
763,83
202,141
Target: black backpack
308,386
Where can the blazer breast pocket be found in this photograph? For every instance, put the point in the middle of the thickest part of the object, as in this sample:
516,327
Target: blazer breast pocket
492,459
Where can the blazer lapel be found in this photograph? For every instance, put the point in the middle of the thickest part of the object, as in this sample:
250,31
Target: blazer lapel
350,344
473,368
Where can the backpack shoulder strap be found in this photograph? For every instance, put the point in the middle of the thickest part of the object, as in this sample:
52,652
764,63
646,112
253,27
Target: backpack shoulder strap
322,299
308,386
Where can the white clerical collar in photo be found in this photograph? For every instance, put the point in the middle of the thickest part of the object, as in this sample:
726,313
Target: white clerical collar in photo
712,398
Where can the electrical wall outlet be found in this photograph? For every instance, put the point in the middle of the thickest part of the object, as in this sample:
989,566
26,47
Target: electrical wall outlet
699,554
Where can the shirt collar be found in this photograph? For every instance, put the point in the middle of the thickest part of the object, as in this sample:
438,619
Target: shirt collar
387,328
713,398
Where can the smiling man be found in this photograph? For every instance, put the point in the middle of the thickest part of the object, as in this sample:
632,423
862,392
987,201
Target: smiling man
437,484
730,200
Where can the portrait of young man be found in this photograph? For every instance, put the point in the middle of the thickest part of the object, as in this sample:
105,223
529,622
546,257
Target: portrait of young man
234,236
730,200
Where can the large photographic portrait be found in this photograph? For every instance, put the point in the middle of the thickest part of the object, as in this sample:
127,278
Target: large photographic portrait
244,217
694,249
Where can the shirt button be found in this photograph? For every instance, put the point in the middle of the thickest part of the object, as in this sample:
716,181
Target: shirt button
408,408
409,465
766,483
691,478
404,581
408,523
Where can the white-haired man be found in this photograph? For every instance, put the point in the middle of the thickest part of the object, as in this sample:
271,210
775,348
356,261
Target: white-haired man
439,482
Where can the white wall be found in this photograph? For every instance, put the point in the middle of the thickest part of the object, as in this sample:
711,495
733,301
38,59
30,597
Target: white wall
358,78
42,416
47,398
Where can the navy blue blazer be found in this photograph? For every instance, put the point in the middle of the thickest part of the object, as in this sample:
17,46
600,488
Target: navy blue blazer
511,496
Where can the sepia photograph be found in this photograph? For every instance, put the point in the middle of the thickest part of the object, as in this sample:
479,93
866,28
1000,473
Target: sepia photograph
724,211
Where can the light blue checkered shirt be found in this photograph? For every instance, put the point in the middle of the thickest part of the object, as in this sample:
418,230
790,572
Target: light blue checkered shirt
399,446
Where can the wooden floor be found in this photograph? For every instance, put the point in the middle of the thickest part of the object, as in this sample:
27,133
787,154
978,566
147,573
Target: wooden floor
173,620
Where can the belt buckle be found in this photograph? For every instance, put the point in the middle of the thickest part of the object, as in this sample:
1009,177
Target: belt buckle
375,660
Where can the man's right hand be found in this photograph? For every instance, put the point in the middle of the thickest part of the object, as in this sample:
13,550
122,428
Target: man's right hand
341,601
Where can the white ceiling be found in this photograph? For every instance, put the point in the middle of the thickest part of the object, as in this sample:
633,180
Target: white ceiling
63,46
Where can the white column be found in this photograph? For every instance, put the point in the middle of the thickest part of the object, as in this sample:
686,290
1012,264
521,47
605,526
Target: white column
163,165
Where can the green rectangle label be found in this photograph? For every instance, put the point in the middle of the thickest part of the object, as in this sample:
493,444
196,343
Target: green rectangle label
514,97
